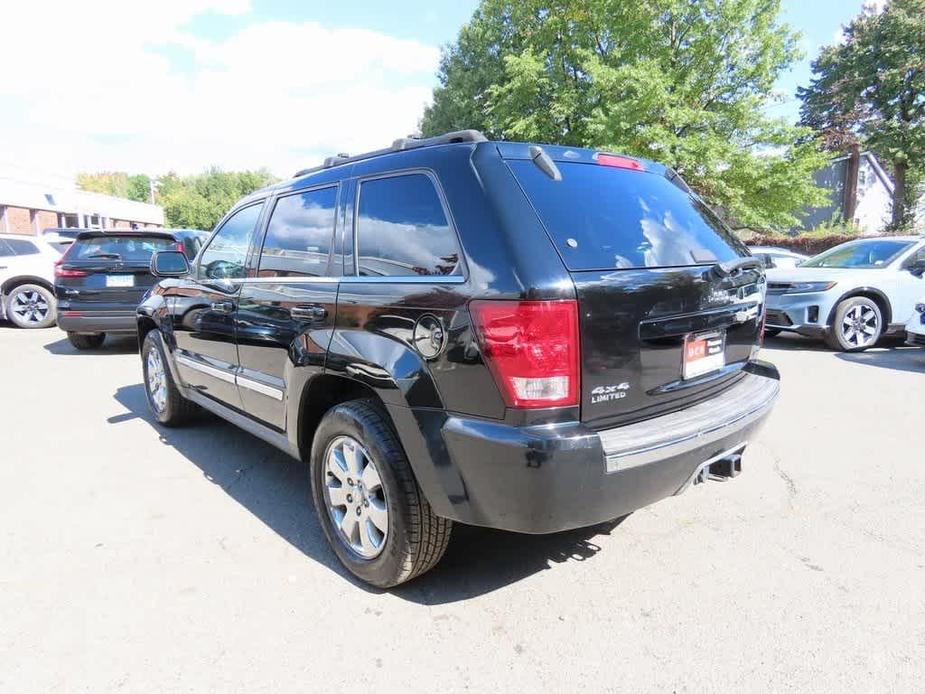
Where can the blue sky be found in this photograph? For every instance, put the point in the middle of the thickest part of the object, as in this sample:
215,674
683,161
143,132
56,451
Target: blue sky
184,84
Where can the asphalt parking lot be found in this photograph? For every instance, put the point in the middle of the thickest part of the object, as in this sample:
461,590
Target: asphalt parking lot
139,559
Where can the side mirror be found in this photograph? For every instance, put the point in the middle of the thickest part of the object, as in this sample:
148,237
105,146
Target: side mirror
917,268
169,264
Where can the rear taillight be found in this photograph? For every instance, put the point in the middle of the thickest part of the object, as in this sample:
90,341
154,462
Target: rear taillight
532,349
64,272
178,246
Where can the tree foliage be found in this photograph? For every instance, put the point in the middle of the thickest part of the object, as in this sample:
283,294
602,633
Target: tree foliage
678,81
200,201
870,89
117,183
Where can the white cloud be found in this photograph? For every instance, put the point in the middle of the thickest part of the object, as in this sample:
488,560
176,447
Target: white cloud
95,88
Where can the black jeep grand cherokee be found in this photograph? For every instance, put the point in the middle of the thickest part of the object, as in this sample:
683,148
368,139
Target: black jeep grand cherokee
524,337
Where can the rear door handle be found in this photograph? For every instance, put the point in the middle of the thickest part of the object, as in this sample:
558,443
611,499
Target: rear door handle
309,312
223,306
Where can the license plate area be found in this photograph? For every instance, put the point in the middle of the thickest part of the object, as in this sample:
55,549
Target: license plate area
120,280
704,353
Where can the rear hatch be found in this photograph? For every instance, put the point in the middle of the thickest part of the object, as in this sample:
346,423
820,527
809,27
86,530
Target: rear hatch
109,271
670,302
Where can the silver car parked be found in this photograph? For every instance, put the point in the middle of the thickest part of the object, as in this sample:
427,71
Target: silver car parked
850,295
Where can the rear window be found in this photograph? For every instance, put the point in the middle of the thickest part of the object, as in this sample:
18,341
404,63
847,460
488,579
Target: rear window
603,218
125,248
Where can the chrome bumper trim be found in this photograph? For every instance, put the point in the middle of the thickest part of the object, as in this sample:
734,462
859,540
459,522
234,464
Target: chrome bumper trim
676,433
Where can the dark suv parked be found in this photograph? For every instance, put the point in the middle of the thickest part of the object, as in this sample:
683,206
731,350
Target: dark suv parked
104,274
507,335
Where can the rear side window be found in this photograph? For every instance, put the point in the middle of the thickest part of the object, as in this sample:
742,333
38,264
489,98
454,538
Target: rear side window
125,248
602,217
299,235
402,229
5,250
22,247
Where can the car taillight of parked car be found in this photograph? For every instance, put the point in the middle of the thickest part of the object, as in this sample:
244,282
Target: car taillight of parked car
532,350
67,272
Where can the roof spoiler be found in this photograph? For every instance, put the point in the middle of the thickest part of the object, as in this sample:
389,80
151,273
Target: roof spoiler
400,145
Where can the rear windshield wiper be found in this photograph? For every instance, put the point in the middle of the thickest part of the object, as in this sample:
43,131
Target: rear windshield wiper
112,256
736,266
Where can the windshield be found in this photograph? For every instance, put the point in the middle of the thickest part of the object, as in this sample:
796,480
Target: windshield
859,254
124,248
602,217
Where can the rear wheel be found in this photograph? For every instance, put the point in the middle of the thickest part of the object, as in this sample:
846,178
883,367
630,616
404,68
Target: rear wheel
31,306
857,325
84,341
165,401
369,505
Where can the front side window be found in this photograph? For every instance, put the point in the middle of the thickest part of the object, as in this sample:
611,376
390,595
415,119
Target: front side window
299,235
402,229
860,254
225,256
5,250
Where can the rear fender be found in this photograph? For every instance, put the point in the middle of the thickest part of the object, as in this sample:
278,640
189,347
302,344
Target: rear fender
400,379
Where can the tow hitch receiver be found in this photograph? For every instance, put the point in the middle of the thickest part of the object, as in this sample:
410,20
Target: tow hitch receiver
724,469
719,469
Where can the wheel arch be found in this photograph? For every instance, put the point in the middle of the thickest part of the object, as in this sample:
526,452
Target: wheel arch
319,395
416,431
872,293
9,285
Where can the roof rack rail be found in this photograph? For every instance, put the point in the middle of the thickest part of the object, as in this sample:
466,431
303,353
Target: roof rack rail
399,145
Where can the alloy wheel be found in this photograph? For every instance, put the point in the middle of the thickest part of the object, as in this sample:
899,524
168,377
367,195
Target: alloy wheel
355,497
30,306
157,380
861,326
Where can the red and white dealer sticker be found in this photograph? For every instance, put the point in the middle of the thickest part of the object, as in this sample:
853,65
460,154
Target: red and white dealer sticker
703,353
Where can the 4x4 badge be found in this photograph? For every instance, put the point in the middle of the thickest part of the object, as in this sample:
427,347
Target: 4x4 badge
429,336
605,393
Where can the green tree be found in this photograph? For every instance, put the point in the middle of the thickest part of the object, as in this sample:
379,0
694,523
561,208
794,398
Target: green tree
117,183
678,81
870,89
199,201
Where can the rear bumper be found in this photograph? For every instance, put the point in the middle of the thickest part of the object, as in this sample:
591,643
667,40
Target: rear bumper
97,321
915,339
550,478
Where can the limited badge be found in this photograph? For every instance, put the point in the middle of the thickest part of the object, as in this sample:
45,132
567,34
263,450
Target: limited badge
429,336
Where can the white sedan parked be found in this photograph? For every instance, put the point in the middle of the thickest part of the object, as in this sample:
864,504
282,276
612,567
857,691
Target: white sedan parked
849,295
27,281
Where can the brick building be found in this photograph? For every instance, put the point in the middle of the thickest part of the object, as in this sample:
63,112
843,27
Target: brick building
30,208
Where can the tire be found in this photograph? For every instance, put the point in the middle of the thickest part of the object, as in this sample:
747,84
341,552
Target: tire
413,539
31,306
856,326
772,332
164,399
84,341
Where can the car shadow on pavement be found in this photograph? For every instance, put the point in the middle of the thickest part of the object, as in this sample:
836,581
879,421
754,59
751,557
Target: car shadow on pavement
910,359
276,490
114,344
